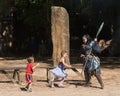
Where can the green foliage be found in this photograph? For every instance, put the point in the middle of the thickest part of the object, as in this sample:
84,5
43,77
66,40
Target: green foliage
34,13
4,6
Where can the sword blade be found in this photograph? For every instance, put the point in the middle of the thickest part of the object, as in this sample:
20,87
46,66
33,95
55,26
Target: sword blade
100,28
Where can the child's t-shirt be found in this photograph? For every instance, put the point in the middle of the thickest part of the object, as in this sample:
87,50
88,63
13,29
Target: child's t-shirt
29,68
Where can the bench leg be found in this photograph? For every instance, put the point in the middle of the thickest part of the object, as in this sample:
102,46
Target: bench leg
16,73
47,74
8,76
18,76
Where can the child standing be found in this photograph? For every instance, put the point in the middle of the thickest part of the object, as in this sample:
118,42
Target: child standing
59,72
29,71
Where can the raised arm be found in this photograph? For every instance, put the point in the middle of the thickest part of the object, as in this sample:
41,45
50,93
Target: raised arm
104,44
64,63
36,66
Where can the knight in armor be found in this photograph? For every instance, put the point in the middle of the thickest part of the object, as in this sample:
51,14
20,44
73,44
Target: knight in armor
91,66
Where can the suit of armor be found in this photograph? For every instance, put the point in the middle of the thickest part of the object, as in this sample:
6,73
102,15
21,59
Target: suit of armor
91,66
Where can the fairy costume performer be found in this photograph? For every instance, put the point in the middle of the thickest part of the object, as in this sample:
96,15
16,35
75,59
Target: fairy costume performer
59,71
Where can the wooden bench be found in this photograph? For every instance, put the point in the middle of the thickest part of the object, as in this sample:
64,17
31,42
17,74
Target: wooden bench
16,73
17,70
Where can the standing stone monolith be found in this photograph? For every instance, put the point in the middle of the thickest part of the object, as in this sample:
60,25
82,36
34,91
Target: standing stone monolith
60,32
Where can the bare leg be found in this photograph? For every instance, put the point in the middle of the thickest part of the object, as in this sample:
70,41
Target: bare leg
61,82
30,86
27,86
99,80
56,78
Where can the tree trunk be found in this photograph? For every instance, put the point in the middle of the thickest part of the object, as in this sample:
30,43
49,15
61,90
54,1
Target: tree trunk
60,33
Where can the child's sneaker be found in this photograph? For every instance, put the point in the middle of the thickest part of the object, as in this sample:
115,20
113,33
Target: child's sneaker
52,84
29,90
26,88
61,86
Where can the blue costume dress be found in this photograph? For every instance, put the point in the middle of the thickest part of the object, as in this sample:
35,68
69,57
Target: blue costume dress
59,71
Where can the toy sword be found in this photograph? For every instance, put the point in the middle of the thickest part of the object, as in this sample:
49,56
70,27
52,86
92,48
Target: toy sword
99,30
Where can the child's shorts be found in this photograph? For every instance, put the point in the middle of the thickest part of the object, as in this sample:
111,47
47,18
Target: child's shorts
29,78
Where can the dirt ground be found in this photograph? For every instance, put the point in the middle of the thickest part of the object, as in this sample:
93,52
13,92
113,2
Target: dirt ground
73,84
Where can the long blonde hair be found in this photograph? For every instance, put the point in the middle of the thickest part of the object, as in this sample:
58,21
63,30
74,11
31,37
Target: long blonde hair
63,52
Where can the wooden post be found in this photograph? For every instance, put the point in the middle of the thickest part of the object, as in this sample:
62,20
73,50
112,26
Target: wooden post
60,32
